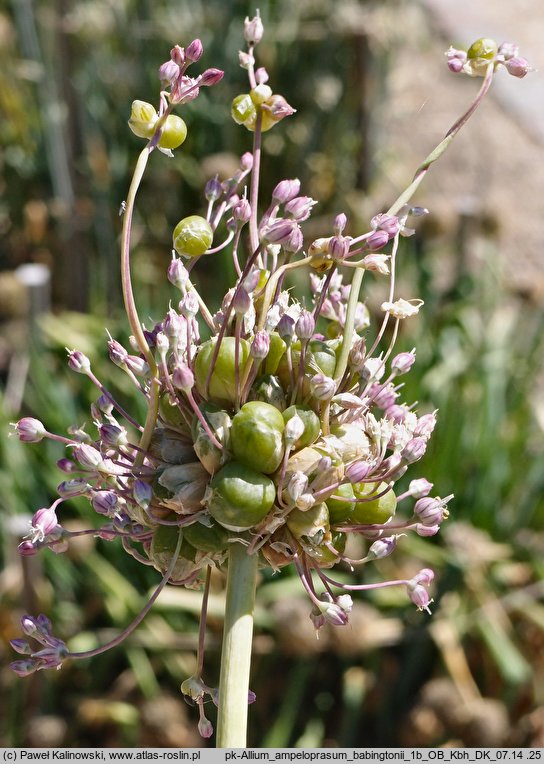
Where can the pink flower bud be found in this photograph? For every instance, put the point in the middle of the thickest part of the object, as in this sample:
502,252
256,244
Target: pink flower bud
29,430
194,51
183,378
305,326
388,223
105,502
177,54
260,346
279,108
241,211
78,361
87,456
261,76
241,302
169,71
425,425
382,547
279,231
286,190
413,450
518,66
322,387
300,207
246,161
253,30
44,522
142,493
210,77
177,273
340,222
508,50
358,471
426,530
377,240
113,436
419,488
339,247
403,362
27,549
117,352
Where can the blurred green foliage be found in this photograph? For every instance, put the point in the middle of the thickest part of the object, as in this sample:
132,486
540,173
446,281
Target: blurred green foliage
70,70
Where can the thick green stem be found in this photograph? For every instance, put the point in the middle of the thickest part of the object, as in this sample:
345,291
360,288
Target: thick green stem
236,651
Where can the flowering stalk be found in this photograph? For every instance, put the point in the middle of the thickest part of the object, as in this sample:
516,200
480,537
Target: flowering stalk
272,441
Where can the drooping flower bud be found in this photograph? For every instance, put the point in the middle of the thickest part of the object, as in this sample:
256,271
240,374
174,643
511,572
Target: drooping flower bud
142,493
413,450
168,72
75,487
518,66
300,207
431,511
210,77
177,273
382,547
105,503
419,488
241,211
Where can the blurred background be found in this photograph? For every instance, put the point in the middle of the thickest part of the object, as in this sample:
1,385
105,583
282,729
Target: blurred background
373,97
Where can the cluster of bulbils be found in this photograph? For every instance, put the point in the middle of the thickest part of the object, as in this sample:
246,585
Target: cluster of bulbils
283,429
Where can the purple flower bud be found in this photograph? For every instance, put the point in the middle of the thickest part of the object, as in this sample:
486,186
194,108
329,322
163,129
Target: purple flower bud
377,240
136,364
300,207
518,66
194,51
29,625
426,530
382,547
142,493
322,387
246,161
260,346
78,361
117,352
279,231
75,487
403,362
205,727
23,668
425,576
183,378
278,107
104,404
455,65
340,222
357,354
413,450
388,223
241,302
44,522
174,325
294,242
339,247
318,619
177,54
210,77
261,76
188,307
105,502
425,425
508,50
114,436
420,597
286,327
29,430
358,471
431,511
27,548
168,72
213,189
419,488
87,456
383,396
253,30
397,412
241,211
305,325
177,273
21,646
286,190
334,614
251,280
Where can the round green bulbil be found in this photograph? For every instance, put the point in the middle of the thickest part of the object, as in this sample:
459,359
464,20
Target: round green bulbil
192,236
378,510
256,436
222,389
240,497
